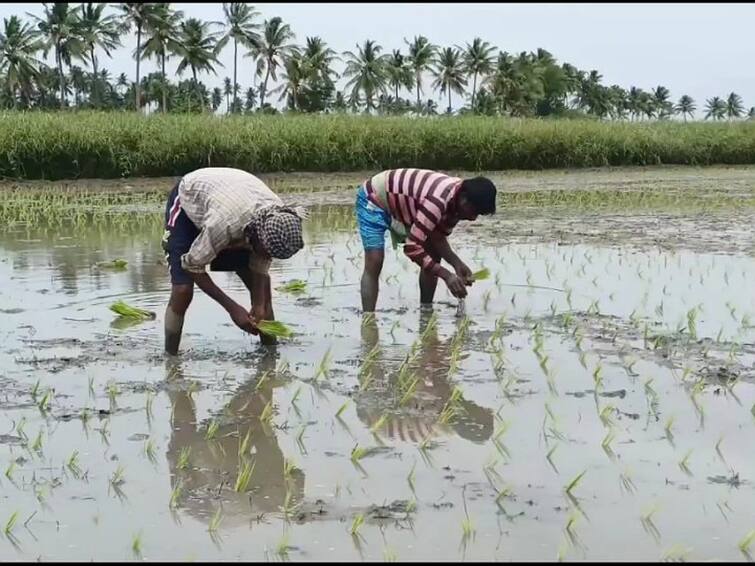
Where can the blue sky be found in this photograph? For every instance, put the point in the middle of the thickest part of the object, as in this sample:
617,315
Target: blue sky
698,49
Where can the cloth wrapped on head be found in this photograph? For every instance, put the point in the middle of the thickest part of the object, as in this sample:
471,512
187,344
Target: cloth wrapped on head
279,230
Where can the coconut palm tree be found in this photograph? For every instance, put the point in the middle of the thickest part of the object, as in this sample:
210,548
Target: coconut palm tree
271,50
217,98
60,28
478,60
685,106
227,91
367,72
449,73
242,28
250,99
18,65
663,106
319,58
122,81
198,49
78,81
751,113
98,31
399,72
421,56
734,106
162,38
295,73
715,108
136,13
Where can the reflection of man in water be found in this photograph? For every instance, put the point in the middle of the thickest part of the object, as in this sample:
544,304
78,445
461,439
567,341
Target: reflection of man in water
214,461
419,417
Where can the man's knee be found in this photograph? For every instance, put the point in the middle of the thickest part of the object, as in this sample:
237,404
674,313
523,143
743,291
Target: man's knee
180,298
373,262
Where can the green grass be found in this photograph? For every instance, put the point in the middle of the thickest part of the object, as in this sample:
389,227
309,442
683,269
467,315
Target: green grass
109,145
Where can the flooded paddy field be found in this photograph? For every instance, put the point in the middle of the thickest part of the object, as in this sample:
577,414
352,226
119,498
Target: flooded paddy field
593,399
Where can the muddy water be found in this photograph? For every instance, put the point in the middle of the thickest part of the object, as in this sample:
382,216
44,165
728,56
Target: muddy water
594,348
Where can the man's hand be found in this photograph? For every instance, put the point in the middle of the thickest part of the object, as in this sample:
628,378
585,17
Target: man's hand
243,320
456,286
464,273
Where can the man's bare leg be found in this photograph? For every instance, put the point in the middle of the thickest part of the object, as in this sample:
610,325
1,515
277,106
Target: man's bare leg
373,265
180,299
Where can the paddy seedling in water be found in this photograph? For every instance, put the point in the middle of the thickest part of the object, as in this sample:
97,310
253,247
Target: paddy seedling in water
356,524
275,328
266,416
136,544
324,366
217,518
341,409
118,476
244,476
175,494
10,523
183,457
212,430
294,286
127,311
572,485
684,463
747,541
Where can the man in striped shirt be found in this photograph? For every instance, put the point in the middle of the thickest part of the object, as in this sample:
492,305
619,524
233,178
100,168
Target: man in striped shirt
420,208
230,220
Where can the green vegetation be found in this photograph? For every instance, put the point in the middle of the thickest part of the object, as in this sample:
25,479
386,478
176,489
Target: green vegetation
106,145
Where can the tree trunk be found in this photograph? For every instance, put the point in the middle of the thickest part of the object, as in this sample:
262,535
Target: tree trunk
196,88
264,85
474,90
417,79
95,77
62,79
137,89
165,94
228,103
235,55
449,100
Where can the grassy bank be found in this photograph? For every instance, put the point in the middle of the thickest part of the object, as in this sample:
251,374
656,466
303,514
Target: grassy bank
110,145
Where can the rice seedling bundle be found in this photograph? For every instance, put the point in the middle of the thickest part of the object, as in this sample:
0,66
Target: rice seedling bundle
127,311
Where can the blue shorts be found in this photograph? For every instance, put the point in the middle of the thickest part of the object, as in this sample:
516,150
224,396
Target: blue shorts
372,220
180,233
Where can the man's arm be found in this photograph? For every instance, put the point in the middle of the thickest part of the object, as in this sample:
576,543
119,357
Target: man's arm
262,307
238,314
441,245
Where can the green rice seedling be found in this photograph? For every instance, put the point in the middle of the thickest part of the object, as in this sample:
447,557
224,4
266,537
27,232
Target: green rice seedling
295,396
597,376
10,469
266,416
747,541
485,300
294,286
627,483
136,544
356,524
73,463
341,409
245,444
244,476
175,494
684,463
574,482
281,549
606,415
149,451
411,476
359,452
112,391
289,467
118,476
379,424
37,444
718,449
10,523
692,323
677,553
217,518
44,403
607,440
148,404
118,264
668,426
275,328
324,366
481,275
35,390
549,457
408,391
212,430
392,329
130,312
183,457
389,555
20,427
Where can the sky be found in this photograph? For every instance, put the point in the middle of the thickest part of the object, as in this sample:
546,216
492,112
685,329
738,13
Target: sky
702,50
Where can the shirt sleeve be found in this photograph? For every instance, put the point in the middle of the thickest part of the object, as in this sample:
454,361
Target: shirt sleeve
428,217
212,239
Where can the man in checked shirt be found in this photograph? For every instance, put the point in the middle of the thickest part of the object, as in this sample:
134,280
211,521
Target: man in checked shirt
420,208
230,220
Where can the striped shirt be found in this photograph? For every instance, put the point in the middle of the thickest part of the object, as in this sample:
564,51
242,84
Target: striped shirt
421,200
221,202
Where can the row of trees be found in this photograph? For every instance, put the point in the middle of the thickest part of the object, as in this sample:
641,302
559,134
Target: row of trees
303,77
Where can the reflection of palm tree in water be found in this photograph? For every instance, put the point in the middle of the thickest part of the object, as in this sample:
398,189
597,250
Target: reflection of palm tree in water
419,417
215,462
